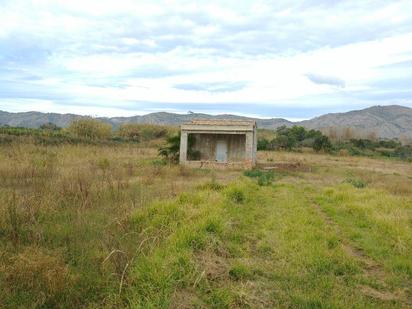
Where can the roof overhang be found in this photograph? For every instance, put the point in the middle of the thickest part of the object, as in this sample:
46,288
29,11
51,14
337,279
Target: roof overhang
219,126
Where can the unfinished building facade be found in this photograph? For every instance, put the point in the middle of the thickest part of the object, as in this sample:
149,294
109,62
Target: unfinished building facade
218,143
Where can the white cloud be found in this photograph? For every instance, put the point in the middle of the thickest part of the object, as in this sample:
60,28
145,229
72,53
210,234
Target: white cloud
111,54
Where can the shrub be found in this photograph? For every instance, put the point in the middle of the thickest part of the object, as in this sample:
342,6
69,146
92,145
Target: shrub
170,152
236,195
212,186
240,272
90,129
322,143
283,142
264,178
253,173
129,131
141,132
50,126
403,152
149,132
357,183
262,144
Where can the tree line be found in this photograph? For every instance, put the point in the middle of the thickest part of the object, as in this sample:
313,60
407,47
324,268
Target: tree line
297,137
89,130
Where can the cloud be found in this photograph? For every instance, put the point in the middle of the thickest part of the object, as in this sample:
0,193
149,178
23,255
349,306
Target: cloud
326,80
213,87
108,55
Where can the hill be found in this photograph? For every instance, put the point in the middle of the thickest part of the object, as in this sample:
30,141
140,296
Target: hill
385,121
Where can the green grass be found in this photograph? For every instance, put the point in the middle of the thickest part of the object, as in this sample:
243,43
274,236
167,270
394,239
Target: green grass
103,226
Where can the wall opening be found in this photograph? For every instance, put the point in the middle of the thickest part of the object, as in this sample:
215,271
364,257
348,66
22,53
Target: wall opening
216,147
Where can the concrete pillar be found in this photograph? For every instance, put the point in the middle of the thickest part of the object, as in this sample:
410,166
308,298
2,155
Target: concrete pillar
249,156
254,146
183,147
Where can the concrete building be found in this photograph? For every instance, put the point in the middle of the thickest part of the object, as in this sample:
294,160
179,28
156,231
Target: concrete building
218,143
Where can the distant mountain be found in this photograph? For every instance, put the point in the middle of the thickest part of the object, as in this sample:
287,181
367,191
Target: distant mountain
36,119
391,121
385,121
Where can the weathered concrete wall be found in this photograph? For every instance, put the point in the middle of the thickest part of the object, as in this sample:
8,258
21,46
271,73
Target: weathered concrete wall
183,147
218,165
206,145
201,139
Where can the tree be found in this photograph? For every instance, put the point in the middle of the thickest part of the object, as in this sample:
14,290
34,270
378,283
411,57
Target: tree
322,143
50,126
284,142
297,132
90,128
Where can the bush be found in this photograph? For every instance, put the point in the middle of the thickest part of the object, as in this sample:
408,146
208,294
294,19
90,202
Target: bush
296,136
170,152
129,131
283,142
263,144
403,152
149,132
90,129
253,173
264,178
236,195
357,183
240,272
322,143
50,126
141,132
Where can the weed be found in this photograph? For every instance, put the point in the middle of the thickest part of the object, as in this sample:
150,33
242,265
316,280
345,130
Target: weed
264,178
240,272
357,183
236,195
253,173
211,185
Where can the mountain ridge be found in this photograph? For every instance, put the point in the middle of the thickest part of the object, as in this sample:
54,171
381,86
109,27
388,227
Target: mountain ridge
391,121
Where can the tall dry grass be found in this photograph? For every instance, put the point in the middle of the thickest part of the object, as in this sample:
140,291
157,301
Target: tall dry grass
64,232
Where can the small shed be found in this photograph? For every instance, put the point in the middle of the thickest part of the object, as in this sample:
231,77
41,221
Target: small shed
218,143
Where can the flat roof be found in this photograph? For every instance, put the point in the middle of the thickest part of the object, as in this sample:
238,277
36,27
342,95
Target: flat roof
219,125
221,122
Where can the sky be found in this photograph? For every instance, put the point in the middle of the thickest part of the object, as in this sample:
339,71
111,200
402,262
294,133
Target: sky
284,58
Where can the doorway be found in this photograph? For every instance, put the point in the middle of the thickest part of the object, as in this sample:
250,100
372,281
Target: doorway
221,150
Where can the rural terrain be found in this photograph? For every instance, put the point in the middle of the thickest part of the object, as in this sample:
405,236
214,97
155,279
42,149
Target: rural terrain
111,224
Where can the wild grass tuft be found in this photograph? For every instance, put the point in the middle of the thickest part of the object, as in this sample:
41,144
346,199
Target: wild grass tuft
357,183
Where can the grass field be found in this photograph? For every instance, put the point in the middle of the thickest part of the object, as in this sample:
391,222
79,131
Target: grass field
92,226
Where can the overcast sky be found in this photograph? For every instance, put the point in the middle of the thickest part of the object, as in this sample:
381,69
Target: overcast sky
291,59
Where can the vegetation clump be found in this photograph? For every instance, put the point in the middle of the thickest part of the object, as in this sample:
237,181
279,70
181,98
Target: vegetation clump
170,152
142,132
357,183
236,195
264,178
90,129
295,137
